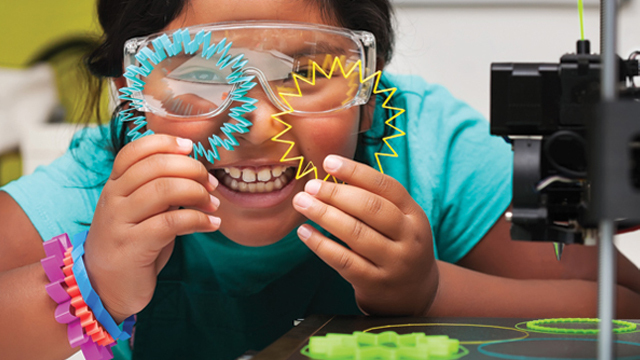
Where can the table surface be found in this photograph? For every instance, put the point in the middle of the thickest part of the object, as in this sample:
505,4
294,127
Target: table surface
484,338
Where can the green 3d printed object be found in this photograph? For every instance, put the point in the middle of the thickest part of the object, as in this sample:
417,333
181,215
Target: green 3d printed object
383,346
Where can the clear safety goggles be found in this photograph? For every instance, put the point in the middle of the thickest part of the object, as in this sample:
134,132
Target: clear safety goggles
304,69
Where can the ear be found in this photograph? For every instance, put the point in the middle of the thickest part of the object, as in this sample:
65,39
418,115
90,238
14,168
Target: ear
380,64
366,112
120,82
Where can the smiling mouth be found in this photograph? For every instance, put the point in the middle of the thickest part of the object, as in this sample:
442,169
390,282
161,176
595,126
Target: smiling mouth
249,179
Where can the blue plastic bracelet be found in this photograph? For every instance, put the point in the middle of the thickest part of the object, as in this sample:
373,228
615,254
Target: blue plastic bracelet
91,298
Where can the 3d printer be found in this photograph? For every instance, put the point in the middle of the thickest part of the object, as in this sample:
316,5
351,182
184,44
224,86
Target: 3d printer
576,152
552,115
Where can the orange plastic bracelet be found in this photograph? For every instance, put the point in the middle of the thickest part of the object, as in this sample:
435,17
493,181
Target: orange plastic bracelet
91,327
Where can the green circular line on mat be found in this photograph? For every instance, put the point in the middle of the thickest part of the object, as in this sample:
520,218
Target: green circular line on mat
542,326
463,351
475,342
523,326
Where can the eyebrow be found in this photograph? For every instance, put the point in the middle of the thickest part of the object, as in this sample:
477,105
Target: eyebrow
322,47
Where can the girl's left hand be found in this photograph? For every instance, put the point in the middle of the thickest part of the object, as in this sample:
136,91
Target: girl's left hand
390,261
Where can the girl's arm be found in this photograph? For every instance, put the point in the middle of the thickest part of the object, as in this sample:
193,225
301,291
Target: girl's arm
525,279
467,293
497,254
28,329
154,193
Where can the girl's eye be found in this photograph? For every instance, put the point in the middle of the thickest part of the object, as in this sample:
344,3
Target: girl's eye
199,75
304,72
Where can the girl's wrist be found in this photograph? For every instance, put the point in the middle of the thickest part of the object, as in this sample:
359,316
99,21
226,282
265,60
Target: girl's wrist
117,315
433,287
91,297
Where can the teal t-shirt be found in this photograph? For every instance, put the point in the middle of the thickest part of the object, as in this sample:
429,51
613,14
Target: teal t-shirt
453,168
246,297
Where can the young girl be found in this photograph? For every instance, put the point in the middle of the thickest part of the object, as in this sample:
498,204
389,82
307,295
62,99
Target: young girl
219,255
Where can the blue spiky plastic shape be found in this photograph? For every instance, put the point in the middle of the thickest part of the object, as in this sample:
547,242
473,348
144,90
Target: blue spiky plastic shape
164,47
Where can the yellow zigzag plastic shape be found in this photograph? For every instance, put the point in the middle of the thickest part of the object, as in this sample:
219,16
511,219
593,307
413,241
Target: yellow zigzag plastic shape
337,64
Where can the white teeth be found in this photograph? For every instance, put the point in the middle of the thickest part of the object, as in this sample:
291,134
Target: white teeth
248,175
248,180
277,171
243,186
268,187
264,174
235,172
278,184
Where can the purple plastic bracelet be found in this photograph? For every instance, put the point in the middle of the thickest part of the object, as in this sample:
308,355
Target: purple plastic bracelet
52,265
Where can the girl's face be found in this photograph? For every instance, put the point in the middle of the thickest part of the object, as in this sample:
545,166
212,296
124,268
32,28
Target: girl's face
257,214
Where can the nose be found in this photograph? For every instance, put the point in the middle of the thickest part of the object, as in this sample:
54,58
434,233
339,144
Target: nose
263,127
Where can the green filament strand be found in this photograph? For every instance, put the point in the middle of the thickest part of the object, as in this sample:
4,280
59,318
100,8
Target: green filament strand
581,12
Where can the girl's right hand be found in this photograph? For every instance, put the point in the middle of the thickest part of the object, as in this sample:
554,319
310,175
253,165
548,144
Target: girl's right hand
155,193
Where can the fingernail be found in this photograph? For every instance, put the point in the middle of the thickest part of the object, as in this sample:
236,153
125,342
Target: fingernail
304,233
332,163
303,200
214,200
213,181
313,186
184,144
214,220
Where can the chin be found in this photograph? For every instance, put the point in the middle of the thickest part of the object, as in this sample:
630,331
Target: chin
260,234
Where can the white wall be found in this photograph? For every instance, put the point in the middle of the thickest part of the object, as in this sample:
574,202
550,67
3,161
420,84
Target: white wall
455,46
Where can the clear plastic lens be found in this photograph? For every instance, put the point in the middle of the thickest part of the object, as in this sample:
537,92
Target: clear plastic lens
320,86
303,70
187,85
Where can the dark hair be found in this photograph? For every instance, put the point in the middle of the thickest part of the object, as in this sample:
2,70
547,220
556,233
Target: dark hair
374,16
125,19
